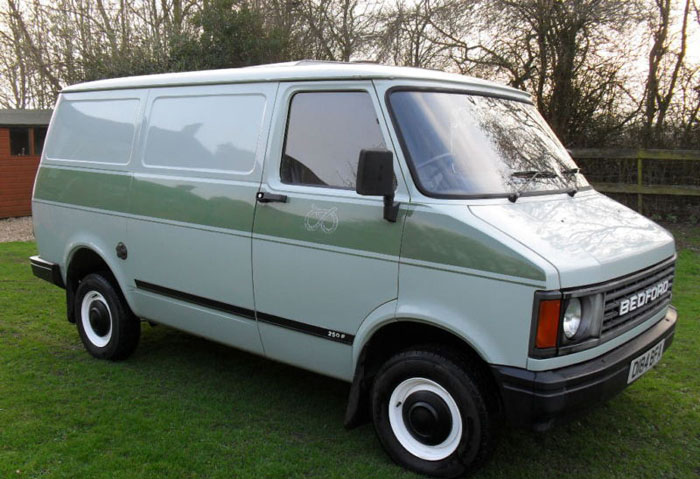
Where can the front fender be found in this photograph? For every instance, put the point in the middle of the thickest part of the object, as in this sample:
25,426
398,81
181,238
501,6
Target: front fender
381,316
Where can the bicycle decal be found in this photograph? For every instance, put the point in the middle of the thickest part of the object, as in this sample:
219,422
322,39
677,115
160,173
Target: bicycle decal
322,219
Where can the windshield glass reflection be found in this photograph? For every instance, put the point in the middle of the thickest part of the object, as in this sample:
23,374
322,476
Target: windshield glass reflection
463,145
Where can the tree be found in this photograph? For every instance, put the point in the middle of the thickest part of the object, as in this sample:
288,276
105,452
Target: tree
559,50
337,30
228,34
665,67
409,36
68,41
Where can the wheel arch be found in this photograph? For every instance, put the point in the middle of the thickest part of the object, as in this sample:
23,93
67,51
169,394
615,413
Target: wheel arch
83,258
386,338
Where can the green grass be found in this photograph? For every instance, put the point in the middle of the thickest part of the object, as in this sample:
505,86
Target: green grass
183,407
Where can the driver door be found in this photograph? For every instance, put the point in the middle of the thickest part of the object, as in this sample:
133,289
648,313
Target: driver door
324,257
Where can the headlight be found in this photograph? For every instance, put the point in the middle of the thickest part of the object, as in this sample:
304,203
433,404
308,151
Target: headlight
572,318
565,322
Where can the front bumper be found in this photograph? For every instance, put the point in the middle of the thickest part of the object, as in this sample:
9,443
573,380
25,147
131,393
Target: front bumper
539,399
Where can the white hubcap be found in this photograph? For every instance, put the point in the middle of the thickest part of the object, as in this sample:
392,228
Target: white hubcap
398,426
91,300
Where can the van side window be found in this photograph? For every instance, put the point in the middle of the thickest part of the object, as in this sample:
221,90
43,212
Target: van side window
325,133
213,132
96,131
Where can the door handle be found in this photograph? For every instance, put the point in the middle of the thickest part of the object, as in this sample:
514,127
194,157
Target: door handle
263,197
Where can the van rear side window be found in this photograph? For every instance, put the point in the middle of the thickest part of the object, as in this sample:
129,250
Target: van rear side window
218,132
99,131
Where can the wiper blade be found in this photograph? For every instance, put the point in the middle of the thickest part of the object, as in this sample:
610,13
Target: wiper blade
531,176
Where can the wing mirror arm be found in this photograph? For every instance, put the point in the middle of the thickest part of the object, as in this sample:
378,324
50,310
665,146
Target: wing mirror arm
375,177
391,208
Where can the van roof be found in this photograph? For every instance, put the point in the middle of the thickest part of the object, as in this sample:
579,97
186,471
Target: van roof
294,71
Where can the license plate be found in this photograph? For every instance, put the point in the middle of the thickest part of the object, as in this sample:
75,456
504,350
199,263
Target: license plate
645,362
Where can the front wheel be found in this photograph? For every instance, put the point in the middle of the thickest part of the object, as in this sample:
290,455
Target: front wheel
107,327
433,412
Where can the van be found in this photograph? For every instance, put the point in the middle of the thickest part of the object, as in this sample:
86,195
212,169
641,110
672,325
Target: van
421,235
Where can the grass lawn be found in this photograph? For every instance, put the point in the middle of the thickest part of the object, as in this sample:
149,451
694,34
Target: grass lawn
184,407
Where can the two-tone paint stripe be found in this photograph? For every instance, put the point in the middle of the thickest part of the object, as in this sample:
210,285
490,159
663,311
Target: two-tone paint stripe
310,245
227,206
329,334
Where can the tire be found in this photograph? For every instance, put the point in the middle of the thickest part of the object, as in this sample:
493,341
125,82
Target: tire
434,412
107,327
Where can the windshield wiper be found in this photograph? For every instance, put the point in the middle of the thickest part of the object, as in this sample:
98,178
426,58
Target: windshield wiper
531,176
571,173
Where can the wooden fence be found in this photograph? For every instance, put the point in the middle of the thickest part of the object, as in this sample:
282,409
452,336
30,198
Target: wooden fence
639,188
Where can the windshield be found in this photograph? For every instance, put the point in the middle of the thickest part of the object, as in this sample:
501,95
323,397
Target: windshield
461,144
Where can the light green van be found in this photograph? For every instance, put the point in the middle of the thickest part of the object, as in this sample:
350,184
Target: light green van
421,235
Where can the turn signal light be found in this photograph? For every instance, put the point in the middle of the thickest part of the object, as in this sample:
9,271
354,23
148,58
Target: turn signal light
548,323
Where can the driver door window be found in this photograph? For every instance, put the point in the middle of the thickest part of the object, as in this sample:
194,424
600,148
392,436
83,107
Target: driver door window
325,133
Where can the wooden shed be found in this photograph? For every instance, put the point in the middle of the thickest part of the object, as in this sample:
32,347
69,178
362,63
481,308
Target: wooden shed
22,134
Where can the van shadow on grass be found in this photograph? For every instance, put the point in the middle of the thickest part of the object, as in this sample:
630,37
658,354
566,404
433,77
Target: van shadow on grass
213,370
241,389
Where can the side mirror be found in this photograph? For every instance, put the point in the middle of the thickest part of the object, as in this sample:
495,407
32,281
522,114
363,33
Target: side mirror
375,177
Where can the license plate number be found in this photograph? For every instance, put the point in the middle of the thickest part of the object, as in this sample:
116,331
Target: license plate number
645,362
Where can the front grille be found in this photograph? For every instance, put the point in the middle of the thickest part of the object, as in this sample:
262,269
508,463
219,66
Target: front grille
616,291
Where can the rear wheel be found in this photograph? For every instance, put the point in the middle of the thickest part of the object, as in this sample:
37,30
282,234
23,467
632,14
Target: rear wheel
107,327
434,412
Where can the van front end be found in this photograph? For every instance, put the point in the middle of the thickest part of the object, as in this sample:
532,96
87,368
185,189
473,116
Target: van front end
610,334
610,319
562,326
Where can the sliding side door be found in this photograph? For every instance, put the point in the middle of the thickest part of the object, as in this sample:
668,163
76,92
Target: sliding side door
192,201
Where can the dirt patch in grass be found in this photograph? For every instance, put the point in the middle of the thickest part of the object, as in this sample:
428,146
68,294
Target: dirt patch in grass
16,229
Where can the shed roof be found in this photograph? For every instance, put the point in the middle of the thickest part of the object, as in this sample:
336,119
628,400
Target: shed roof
294,71
25,117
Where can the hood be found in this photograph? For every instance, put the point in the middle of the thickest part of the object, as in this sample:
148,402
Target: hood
589,238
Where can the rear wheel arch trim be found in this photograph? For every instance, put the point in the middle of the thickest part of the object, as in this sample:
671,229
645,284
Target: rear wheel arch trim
112,266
